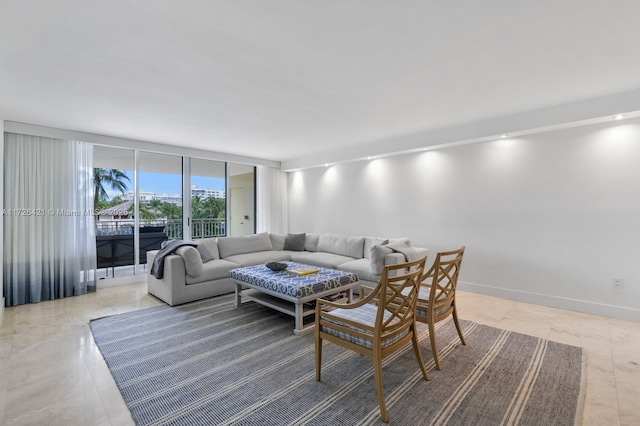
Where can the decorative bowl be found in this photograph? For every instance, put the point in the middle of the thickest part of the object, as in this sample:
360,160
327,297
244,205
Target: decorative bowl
276,266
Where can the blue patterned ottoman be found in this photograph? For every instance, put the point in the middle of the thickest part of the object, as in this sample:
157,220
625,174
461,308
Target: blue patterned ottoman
288,293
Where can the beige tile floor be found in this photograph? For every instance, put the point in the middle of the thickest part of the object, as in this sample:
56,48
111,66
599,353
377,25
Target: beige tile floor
52,373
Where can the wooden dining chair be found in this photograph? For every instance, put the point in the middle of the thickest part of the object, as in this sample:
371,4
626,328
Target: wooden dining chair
377,325
437,297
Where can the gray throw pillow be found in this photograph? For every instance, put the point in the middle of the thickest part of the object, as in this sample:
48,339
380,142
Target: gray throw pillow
295,242
192,260
205,253
377,254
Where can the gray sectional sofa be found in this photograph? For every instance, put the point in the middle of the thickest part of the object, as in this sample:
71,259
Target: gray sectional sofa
194,273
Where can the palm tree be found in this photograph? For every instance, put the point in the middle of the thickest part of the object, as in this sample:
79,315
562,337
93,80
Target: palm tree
214,207
145,213
197,210
105,204
154,207
113,178
171,211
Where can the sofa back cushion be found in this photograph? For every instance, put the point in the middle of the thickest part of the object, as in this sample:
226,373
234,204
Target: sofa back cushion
208,249
228,246
339,244
277,241
311,242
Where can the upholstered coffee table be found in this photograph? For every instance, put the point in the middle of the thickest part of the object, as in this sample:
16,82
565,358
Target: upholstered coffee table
288,293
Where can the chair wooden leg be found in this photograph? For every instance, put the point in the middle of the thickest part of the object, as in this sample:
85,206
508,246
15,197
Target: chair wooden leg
318,354
377,366
416,349
455,321
434,349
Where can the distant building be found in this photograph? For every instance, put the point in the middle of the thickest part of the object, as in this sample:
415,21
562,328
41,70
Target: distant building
145,196
207,192
175,199
203,193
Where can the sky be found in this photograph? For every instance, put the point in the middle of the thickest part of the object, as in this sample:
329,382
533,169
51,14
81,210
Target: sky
170,184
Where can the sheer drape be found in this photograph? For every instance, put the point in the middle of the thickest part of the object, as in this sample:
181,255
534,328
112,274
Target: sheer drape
49,234
272,200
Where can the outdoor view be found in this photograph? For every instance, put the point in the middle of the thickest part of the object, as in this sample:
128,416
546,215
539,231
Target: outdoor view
113,200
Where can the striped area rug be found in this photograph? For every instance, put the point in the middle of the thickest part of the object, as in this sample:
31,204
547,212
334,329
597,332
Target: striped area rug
207,363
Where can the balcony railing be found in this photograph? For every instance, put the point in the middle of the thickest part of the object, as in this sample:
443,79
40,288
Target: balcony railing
200,228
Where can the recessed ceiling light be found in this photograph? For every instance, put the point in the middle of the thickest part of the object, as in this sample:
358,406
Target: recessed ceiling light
326,164
504,135
368,158
618,117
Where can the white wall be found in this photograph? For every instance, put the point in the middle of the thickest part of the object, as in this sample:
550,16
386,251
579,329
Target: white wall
548,218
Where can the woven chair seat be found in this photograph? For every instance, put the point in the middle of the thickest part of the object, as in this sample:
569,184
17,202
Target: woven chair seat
422,307
366,315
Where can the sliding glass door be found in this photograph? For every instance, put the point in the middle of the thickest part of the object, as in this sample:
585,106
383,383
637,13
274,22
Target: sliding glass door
208,198
113,180
160,194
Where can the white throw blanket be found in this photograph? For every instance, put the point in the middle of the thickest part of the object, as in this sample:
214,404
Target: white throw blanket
399,247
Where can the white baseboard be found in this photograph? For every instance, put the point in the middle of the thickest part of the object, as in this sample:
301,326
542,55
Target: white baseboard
593,308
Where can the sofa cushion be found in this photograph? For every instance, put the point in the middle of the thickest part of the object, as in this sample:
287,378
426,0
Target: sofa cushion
377,254
339,244
208,249
295,242
322,259
213,270
192,260
311,242
229,246
249,259
362,268
277,241
373,241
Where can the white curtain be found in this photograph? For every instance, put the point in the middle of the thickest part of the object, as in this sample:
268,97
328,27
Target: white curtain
49,233
272,200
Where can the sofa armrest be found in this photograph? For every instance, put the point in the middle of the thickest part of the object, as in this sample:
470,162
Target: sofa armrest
171,288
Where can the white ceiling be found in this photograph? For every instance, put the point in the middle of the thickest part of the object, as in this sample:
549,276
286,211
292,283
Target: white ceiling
290,79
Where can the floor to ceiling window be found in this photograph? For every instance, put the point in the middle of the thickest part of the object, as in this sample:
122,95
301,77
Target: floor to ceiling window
160,193
208,198
113,180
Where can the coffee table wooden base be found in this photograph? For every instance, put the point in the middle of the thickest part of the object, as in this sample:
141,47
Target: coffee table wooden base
287,304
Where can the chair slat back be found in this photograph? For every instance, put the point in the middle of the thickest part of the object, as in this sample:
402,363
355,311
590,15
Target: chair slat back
442,277
398,296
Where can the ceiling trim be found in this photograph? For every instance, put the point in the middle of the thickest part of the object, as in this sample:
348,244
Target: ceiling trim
52,132
575,114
